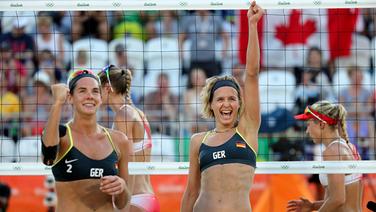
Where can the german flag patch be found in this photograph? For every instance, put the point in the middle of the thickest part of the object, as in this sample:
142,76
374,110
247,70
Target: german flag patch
240,145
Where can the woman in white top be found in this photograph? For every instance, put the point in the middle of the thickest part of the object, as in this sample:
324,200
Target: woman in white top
326,124
47,39
116,93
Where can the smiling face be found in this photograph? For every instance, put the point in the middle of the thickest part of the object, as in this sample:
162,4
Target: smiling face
86,97
225,105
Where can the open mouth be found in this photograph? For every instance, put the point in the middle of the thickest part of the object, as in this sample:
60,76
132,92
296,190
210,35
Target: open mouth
89,105
226,114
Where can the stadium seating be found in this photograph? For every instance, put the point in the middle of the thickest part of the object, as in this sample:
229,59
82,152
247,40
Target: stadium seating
98,52
29,149
8,150
276,90
162,55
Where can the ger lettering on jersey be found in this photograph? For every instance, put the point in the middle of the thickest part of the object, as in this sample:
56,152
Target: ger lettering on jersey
74,165
235,150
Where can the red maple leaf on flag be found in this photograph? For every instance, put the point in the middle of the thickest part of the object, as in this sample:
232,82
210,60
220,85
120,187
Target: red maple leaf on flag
295,32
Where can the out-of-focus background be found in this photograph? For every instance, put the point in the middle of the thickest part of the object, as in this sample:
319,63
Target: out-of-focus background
306,55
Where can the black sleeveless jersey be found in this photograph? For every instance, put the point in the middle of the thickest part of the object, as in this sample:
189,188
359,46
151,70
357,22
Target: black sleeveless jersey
74,165
235,150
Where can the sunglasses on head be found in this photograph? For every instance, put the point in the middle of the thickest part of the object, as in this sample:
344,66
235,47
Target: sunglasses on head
308,111
106,71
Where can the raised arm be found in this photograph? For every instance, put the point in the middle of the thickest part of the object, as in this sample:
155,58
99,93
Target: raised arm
50,135
250,119
194,176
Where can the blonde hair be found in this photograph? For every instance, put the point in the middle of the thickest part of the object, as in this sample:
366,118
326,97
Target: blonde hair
120,80
206,95
335,111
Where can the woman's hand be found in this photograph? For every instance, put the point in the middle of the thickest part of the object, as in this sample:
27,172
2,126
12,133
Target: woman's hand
112,185
60,92
254,14
302,205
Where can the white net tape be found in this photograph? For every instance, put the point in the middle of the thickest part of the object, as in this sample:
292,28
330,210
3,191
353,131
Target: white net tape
181,168
177,4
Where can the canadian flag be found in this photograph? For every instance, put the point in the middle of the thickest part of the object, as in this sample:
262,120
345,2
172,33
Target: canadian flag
286,35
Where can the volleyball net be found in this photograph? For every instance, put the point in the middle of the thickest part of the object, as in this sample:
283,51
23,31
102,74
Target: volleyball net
310,50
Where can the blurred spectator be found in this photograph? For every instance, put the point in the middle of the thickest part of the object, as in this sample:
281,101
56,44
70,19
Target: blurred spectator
122,62
63,22
355,99
121,57
12,69
369,18
9,110
7,19
150,31
21,44
47,63
82,60
128,23
203,29
161,107
307,92
48,38
315,64
5,193
192,102
319,71
149,20
167,26
90,24
36,106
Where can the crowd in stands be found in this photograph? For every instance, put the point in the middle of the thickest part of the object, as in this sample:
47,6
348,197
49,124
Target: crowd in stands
170,54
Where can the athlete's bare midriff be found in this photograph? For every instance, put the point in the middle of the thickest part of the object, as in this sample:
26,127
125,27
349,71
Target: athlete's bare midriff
82,195
224,188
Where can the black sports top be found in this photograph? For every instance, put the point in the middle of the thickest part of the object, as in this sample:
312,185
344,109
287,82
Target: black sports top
235,150
74,165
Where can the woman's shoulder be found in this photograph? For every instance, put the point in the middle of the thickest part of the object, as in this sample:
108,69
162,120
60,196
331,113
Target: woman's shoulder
126,113
196,141
198,137
335,150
